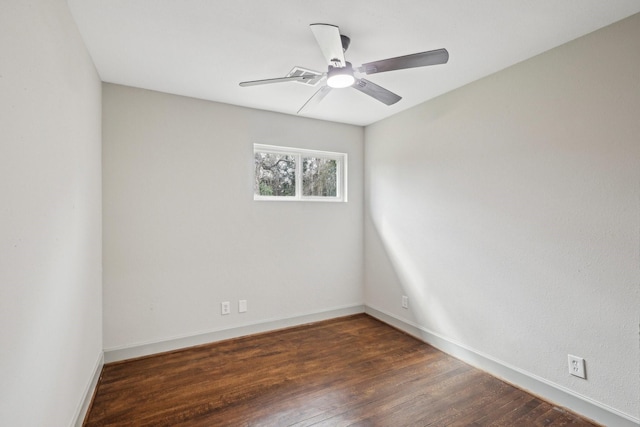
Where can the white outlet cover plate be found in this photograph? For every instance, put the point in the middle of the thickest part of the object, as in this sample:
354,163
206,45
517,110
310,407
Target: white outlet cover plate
576,366
225,307
405,302
242,306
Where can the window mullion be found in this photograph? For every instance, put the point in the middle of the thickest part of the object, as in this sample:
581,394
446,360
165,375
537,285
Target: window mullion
339,178
299,176
343,178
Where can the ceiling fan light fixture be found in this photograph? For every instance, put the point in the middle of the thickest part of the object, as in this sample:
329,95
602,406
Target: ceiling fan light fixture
340,73
340,77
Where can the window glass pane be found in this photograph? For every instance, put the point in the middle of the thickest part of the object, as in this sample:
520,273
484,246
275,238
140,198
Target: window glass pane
275,174
319,177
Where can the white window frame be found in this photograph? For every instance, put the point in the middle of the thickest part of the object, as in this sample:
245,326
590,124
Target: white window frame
299,153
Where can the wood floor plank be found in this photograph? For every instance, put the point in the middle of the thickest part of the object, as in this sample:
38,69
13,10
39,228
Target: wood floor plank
485,409
388,398
349,391
352,371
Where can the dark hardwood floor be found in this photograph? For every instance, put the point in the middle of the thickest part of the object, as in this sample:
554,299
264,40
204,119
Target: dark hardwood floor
349,371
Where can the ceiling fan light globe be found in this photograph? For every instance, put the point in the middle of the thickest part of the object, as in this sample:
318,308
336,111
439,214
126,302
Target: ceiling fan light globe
340,81
340,77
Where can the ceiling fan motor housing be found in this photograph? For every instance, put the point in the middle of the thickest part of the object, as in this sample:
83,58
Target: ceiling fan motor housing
346,41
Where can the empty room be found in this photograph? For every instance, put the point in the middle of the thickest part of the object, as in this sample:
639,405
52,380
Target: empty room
330,213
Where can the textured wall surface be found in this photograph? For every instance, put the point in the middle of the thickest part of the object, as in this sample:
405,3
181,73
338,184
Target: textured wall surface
508,212
182,232
50,215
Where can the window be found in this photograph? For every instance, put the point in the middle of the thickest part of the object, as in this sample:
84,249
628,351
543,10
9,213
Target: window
283,173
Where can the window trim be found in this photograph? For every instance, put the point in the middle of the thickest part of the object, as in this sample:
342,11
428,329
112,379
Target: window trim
299,153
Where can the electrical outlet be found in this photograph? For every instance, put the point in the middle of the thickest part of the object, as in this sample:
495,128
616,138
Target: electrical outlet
225,307
405,301
576,366
242,306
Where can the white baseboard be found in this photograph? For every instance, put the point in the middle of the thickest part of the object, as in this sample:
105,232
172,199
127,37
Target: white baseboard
83,407
146,349
548,390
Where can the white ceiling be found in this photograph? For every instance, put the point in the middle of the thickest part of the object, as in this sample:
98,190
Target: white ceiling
204,48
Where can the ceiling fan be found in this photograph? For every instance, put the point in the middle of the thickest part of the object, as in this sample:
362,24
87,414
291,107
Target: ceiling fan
341,74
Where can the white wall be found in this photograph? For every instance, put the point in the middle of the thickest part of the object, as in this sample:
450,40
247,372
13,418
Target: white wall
50,215
508,212
182,232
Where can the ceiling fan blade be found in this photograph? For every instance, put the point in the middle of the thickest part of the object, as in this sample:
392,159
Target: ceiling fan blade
378,92
328,37
279,80
316,98
431,57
